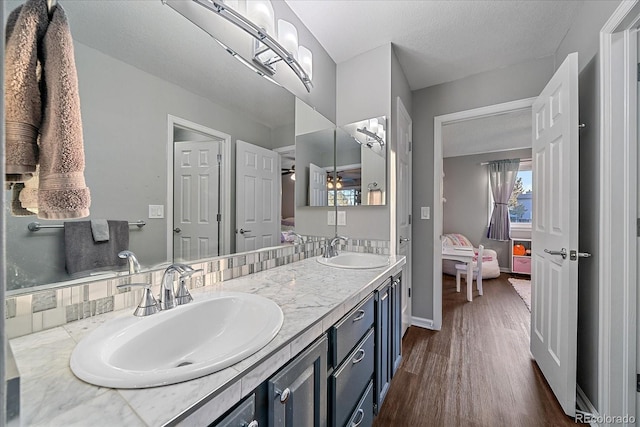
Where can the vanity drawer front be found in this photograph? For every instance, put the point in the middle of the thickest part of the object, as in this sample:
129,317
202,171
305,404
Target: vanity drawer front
362,416
243,415
348,382
350,329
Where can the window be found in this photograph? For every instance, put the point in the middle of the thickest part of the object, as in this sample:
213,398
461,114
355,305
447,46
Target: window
520,203
348,197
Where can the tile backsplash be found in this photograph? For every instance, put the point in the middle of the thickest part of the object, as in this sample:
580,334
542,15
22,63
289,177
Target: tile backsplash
28,313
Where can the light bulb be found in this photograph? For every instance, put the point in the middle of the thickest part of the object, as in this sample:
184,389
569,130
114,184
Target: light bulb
288,37
305,58
260,12
373,125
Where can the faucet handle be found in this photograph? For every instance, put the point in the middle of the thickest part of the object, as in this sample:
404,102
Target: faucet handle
183,296
148,304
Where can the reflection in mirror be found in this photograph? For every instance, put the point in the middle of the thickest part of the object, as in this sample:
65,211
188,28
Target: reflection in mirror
360,163
314,156
135,78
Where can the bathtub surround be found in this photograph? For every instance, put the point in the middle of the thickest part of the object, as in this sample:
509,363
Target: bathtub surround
49,308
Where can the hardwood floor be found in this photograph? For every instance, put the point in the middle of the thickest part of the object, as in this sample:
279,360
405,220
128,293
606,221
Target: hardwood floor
476,371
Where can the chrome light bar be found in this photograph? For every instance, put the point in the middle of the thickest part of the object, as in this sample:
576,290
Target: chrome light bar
258,33
370,134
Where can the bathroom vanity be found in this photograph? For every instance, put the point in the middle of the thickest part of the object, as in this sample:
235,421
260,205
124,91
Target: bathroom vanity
330,363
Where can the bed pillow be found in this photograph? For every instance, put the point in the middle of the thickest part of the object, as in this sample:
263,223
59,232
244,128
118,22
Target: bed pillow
455,239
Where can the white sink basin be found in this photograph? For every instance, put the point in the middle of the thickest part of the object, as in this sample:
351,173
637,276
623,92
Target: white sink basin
355,260
180,344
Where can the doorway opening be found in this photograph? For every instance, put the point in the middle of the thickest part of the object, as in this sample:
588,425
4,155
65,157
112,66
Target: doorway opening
197,191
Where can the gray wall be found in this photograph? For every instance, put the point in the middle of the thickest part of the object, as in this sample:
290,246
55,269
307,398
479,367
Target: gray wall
583,37
363,91
124,113
493,87
466,188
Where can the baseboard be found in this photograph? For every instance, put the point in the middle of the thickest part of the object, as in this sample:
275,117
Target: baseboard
421,322
504,269
584,404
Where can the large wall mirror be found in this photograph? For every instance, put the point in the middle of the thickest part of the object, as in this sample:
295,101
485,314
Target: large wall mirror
145,93
361,150
315,162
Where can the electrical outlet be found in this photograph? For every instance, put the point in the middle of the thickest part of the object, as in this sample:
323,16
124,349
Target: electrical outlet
331,218
342,218
425,212
156,211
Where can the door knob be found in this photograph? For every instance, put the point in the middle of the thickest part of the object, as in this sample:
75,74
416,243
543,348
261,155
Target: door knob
404,239
242,231
562,253
177,230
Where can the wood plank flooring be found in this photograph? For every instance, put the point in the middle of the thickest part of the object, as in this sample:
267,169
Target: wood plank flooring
476,371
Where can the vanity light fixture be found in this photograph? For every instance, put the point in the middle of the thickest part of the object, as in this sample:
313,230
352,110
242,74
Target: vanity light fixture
245,62
267,51
377,136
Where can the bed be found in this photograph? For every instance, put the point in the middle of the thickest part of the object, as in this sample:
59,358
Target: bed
287,226
490,266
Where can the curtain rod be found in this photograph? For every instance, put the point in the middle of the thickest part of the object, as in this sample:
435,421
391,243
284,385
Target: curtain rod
522,160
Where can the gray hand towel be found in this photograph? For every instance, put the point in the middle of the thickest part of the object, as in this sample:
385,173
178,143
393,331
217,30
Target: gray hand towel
83,254
100,230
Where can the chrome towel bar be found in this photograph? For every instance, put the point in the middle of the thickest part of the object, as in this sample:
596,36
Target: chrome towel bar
35,226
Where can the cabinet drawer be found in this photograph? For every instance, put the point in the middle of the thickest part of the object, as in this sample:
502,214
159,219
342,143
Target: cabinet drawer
362,416
350,329
243,415
347,383
522,265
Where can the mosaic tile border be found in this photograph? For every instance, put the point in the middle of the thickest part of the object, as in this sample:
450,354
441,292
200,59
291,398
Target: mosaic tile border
46,309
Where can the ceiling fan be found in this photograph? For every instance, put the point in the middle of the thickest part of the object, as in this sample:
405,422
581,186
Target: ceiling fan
288,171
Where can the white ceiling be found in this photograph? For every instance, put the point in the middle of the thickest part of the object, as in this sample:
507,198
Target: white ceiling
440,40
507,131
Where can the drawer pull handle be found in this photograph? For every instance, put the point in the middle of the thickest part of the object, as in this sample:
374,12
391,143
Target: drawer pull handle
359,359
253,423
360,316
284,395
361,415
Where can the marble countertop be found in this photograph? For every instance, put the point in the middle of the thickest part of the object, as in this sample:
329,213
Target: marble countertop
312,297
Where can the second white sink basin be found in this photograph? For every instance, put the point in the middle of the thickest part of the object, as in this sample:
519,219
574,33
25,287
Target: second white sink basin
180,344
355,260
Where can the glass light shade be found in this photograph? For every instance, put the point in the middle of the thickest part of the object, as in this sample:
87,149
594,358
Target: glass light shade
373,125
305,57
233,4
260,12
293,176
288,37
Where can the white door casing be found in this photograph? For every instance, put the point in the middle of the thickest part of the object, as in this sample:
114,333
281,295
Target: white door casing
403,205
257,197
196,203
317,186
554,305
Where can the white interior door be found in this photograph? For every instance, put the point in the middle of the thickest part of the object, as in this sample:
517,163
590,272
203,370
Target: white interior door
317,186
196,204
403,206
257,197
554,305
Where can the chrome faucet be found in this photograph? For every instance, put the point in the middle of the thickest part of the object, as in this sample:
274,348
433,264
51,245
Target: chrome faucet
330,250
298,236
132,261
168,297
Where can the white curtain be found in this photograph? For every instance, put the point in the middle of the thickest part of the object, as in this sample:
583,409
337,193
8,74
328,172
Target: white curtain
502,175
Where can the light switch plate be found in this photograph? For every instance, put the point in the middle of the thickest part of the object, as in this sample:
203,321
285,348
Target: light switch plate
425,212
331,218
342,218
156,211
